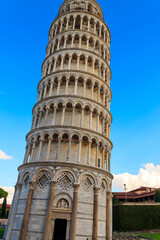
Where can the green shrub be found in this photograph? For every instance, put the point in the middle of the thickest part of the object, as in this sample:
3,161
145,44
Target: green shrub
2,230
115,200
3,215
157,196
136,218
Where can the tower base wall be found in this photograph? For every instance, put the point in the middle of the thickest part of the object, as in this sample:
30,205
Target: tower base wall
76,196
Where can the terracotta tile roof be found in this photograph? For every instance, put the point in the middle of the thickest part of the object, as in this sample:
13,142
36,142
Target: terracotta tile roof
8,205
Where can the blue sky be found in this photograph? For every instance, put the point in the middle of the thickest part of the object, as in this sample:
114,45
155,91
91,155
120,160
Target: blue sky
135,51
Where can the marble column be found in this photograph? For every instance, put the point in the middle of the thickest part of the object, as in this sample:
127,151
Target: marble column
40,149
27,210
79,151
80,41
78,61
90,121
92,89
51,88
84,89
75,89
47,226
108,216
58,148
32,152
104,97
87,43
74,22
73,36
26,154
65,42
49,148
74,213
81,25
86,64
54,115
45,91
63,115
35,120
67,82
69,147
95,214
40,115
72,118
69,63
46,117
97,122
58,87
62,61
89,152
67,24
12,212
82,117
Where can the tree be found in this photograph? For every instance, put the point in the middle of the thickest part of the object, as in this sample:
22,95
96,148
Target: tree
115,200
4,205
3,194
157,196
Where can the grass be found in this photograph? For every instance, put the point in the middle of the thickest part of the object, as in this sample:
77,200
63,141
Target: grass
2,232
155,236
147,235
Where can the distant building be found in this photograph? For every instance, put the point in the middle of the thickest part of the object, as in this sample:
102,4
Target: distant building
142,194
7,207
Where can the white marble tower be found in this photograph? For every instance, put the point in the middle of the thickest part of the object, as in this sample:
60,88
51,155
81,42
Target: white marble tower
63,190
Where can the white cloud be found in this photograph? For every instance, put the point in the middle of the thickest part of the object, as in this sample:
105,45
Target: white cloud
10,191
3,156
148,176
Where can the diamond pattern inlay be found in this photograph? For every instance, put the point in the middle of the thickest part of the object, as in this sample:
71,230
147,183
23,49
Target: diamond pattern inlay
103,187
87,183
65,181
43,179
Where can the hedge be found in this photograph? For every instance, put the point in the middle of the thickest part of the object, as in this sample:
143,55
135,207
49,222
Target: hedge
2,230
136,217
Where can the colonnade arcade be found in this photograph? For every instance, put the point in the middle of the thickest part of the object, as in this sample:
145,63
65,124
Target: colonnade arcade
81,61
78,40
77,85
88,6
71,113
81,22
68,146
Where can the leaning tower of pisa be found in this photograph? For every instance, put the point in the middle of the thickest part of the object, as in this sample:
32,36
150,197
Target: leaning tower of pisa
63,191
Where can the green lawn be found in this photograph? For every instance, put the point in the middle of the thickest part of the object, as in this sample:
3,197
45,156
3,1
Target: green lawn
155,236
148,235
2,232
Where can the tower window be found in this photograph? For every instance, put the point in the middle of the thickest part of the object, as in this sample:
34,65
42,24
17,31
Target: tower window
99,163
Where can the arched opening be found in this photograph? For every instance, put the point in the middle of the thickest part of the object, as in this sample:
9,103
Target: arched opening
82,62
74,61
44,148
77,117
80,86
66,61
64,147
90,8
76,40
74,148
84,41
68,113
78,22
69,41
84,151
